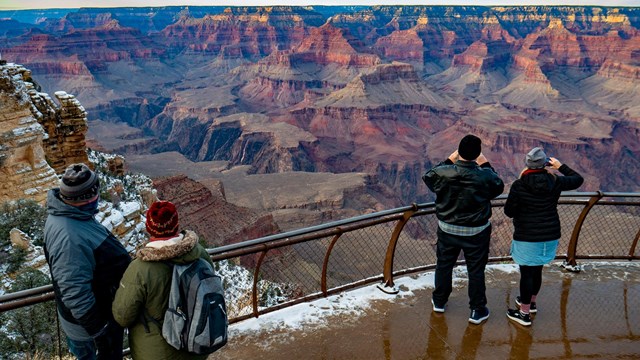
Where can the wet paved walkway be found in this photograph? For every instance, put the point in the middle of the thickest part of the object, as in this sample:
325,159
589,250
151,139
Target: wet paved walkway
594,314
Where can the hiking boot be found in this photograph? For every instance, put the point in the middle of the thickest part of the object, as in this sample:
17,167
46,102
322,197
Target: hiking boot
519,317
532,309
437,308
479,315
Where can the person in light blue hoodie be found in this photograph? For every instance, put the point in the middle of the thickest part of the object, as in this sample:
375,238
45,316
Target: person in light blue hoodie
86,263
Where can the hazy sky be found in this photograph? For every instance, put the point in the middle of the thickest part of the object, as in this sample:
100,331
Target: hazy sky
41,4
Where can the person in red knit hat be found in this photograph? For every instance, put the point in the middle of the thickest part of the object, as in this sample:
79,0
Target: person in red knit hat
143,296
162,220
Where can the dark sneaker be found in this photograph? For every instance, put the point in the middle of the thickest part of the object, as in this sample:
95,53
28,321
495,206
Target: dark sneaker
519,317
532,309
479,315
437,308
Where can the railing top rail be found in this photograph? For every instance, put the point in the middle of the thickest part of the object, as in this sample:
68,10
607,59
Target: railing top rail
308,230
24,293
364,218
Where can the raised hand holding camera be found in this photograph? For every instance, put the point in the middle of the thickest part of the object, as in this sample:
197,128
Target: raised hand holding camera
554,163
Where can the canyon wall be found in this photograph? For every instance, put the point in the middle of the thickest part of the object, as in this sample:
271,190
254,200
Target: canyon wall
383,90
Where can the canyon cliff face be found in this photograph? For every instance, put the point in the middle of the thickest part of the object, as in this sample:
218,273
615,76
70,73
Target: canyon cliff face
40,137
24,170
386,91
207,212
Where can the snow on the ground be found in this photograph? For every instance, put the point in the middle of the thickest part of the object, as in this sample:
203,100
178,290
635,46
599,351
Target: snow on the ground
348,303
353,303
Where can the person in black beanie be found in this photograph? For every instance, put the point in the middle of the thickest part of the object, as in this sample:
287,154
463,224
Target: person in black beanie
464,184
86,263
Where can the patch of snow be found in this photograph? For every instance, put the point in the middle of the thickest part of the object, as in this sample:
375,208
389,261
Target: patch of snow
129,207
113,220
349,303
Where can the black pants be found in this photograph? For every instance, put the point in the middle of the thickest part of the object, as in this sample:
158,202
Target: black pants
530,282
476,254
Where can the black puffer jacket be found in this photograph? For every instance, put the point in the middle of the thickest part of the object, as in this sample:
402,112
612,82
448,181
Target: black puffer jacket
463,191
533,203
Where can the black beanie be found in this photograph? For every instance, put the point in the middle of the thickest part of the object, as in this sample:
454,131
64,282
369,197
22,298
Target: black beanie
79,183
470,147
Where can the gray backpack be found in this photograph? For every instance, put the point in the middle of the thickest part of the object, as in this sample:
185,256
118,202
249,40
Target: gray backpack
196,319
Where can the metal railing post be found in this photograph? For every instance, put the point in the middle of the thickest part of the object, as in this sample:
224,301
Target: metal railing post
325,263
254,291
387,285
573,242
632,250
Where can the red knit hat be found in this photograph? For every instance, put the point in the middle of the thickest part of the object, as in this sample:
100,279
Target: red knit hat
162,220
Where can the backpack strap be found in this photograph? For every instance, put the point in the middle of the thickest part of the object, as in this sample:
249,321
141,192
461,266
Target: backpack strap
145,318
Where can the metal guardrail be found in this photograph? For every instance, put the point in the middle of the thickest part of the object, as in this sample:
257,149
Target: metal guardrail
344,254
319,261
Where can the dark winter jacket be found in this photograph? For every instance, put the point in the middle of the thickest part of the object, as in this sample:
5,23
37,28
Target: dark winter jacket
144,292
463,191
533,203
86,263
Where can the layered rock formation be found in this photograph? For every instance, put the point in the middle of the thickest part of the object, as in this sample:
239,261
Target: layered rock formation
383,90
241,32
66,127
23,164
209,214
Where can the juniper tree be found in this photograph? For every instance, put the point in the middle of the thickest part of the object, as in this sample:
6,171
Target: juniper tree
32,330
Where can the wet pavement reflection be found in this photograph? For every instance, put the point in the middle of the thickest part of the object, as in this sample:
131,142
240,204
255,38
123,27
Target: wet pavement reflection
594,314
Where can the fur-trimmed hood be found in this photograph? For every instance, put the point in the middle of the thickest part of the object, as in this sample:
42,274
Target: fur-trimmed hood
173,248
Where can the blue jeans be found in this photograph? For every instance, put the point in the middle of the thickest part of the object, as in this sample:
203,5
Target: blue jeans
83,350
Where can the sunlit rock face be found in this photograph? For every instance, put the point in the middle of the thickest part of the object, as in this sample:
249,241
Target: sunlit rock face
41,137
25,171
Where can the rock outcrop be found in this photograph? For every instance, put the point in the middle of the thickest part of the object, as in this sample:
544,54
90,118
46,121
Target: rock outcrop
23,165
66,127
210,215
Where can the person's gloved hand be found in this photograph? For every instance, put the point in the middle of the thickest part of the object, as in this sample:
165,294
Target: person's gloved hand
105,342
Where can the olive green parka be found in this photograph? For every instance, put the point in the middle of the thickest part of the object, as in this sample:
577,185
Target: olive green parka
144,289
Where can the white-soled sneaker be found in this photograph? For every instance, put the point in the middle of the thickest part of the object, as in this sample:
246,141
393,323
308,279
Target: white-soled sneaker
479,315
436,308
519,317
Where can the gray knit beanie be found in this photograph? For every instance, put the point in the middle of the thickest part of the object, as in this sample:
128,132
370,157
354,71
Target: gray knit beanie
79,183
536,158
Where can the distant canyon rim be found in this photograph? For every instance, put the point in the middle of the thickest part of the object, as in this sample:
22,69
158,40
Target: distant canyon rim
316,113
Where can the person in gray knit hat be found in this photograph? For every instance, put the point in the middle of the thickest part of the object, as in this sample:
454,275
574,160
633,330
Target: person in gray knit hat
532,203
86,263
79,184
536,159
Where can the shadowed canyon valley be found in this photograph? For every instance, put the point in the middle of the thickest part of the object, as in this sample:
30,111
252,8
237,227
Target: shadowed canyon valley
311,114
